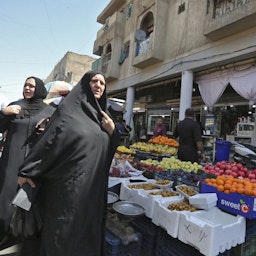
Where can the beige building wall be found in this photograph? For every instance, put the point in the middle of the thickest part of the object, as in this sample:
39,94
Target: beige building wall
188,38
71,68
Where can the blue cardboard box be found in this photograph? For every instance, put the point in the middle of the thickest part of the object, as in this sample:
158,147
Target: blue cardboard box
234,203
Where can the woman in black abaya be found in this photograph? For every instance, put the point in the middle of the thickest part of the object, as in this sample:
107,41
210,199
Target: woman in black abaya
19,119
72,160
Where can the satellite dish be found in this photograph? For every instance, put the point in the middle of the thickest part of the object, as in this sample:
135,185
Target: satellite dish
140,35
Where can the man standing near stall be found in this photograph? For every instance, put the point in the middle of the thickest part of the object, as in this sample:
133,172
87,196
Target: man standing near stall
160,128
190,138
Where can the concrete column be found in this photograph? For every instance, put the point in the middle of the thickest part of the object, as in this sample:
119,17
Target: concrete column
185,92
129,105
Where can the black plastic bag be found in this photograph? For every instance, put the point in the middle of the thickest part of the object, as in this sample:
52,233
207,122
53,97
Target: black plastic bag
26,223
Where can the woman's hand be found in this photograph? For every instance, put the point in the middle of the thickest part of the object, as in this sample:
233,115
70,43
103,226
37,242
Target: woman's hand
22,180
107,123
11,110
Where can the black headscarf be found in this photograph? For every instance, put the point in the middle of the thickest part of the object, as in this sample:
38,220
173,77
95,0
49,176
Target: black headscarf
72,159
85,81
35,104
80,100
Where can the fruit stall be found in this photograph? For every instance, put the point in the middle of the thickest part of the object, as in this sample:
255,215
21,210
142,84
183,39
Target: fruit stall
159,205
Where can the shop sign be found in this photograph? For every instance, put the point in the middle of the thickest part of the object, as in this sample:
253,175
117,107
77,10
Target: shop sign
234,203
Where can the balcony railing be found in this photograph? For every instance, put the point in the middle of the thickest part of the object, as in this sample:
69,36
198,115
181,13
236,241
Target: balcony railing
229,17
223,7
143,46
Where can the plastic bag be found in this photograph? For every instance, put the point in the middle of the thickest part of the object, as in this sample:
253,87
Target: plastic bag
26,223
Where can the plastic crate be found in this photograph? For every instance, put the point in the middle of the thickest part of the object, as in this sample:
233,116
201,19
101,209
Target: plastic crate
148,230
168,246
114,246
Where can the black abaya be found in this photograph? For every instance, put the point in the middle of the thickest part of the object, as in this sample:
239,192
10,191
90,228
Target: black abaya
72,161
19,128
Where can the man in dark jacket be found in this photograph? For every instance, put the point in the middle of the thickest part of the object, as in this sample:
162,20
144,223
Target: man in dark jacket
190,139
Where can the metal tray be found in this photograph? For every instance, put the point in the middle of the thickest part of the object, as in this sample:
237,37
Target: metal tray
127,208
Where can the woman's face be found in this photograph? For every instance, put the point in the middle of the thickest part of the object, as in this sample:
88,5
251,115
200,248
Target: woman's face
97,85
29,88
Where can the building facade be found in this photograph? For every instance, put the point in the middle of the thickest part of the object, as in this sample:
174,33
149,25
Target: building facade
170,55
71,68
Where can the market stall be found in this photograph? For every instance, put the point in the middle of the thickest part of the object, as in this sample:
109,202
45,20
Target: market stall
187,207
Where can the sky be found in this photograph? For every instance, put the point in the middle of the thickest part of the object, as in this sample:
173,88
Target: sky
36,34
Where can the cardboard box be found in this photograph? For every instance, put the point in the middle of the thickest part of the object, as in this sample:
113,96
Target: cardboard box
234,203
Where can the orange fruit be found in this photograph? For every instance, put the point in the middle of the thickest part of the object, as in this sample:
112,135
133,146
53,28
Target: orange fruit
232,189
220,181
220,187
227,186
207,180
229,181
234,182
254,192
240,185
227,191
240,190
247,191
247,183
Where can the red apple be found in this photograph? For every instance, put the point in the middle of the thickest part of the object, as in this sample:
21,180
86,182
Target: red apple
234,168
234,174
228,166
239,165
251,175
221,171
228,171
241,173
218,164
206,167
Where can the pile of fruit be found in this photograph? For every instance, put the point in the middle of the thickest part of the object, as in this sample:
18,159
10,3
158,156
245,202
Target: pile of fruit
144,166
154,148
164,140
237,170
229,184
173,163
188,178
125,150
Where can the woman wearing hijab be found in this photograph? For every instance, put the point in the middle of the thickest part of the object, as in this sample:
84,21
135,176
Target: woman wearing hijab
72,160
19,119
